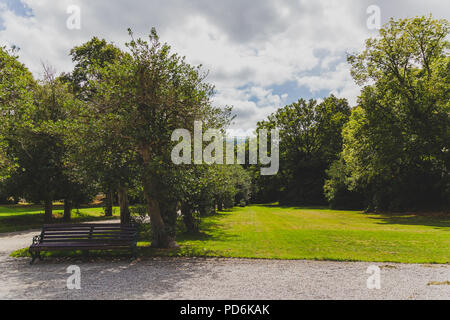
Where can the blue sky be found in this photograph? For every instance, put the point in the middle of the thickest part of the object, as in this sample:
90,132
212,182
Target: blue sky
261,55
18,7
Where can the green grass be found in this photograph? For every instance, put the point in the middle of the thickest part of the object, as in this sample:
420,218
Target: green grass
273,232
25,217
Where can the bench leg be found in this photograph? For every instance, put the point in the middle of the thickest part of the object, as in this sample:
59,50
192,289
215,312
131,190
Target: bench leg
33,256
134,253
85,255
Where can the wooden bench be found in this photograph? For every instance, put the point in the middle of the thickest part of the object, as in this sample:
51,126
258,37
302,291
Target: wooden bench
55,237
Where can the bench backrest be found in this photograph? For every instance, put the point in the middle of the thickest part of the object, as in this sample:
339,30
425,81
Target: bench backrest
95,233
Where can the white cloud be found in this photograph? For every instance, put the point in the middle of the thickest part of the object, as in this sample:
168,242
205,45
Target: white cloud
248,46
338,81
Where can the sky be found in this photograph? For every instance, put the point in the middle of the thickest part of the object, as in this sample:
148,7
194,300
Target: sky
260,54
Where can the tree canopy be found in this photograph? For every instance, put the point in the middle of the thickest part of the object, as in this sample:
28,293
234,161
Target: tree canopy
396,147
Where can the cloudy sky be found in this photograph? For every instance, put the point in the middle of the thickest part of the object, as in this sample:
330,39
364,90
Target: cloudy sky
261,54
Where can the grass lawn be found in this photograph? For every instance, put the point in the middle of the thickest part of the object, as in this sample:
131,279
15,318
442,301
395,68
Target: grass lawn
25,217
273,232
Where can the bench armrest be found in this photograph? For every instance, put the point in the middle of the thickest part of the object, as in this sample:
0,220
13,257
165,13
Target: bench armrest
36,240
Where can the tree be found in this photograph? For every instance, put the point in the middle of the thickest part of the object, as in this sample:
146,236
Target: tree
16,98
205,187
229,185
310,140
396,142
89,58
96,149
148,94
31,113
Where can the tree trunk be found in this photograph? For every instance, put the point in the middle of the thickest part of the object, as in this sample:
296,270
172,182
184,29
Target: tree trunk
67,209
188,218
206,207
109,204
48,205
161,237
219,205
124,206
203,210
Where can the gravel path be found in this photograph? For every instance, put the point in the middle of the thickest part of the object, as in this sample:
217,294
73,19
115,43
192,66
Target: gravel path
199,279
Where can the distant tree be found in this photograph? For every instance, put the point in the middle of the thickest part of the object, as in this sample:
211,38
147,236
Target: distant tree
230,186
206,188
310,140
16,99
29,136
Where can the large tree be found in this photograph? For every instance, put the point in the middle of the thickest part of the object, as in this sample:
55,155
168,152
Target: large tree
396,144
148,94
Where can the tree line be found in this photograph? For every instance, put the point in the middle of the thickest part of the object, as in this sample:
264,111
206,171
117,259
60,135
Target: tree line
391,151
106,127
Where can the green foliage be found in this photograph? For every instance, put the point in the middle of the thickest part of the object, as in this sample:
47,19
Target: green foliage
230,185
30,130
336,188
142,97
107,126
97,151
89,58
396,143
310,140
16,99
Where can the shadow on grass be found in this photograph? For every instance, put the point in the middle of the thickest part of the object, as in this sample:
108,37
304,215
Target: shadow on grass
35,221
436,220
19,209
9,210
211,229
21,222
293,207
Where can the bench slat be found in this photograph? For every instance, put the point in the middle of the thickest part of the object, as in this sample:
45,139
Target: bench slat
80,247
85,237
87,233
87,229
86,225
